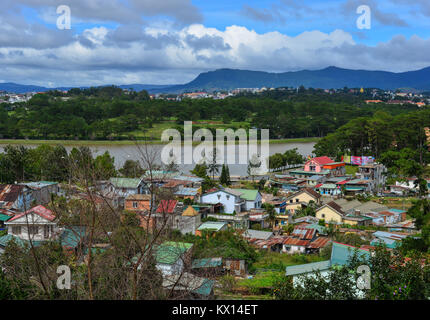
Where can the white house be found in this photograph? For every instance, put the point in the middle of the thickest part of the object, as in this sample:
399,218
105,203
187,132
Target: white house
37,224
231,201
234,200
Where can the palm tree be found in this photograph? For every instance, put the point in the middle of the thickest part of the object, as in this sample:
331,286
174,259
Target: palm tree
213,166
270,210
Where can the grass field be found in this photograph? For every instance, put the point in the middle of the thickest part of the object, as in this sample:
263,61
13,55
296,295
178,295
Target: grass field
121,142
152,135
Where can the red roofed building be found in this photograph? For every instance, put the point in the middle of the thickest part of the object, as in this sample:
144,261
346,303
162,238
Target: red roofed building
167,206
37,224
317,164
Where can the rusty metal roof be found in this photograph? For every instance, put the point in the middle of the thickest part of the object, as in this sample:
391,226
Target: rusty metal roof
303,233
319,243
9,193
296,242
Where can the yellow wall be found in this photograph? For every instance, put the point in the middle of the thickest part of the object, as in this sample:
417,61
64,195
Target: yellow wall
351,222
329,215
303,197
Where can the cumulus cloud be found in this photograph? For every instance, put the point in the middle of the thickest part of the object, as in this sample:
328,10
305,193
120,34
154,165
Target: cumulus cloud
159,56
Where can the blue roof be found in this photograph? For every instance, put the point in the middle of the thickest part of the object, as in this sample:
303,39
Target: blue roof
340,253
71,237
187,192
396,210
206,288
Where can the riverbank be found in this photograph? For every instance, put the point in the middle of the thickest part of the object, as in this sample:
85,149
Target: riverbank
124,142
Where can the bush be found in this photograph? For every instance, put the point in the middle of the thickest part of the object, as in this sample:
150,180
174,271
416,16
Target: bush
228,283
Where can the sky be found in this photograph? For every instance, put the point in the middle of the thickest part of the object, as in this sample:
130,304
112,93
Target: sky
172,41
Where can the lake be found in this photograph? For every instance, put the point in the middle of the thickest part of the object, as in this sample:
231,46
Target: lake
121,153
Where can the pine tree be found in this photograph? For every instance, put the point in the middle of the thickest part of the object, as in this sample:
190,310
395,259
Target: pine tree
227,174
223,177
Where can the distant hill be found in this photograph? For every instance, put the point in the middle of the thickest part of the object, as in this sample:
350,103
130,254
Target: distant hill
328,78
22,88
331,77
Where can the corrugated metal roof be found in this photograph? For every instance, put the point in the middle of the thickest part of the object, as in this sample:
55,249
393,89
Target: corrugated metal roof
303,233
296,242
319,243
39,210
308,267
206,263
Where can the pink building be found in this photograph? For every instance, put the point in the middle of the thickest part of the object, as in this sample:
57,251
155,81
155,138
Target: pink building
317,164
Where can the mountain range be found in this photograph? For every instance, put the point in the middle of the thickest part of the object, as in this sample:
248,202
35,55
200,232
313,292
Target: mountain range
226,79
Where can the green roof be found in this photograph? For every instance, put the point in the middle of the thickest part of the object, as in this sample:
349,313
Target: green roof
129,183
328,186
206,288
248,195
206,263
308,267
341,252
212,225
169,252
5,240
71,237
4,217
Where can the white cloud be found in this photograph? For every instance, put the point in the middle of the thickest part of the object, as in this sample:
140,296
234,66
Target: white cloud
162,56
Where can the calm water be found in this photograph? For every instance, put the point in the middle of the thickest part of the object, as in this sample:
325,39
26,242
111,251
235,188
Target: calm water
123,153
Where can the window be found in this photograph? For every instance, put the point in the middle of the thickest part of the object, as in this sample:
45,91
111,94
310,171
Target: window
219,196
16,229
228,197
323,215
33,229
291,201
134,204
297,200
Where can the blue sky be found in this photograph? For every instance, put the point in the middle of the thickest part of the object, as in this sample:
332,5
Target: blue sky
172,41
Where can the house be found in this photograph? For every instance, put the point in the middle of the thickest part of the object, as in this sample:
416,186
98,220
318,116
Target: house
301,199
253,198
15,197
121,188
192,181
393,216
315,180
138,203
234,200
171,257
37,224
189,221
211,226
340,255
42,191
374,172
187,286
230,201
236,267
257,234
207,267
329,189
358,186
405,226
240,220
332,213
166,216
317,164
389,239
336,169
188,193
